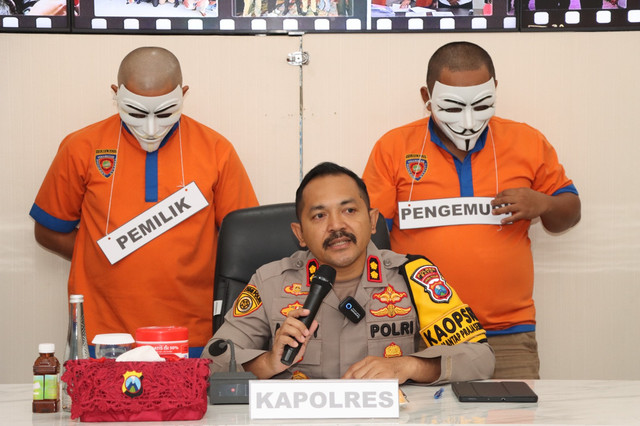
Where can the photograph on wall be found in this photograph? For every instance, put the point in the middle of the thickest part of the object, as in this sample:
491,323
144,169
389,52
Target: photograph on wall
221,16
36,15
579,14
438,15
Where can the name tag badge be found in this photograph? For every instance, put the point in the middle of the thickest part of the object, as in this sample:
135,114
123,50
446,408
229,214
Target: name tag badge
323,399
153,222
447,212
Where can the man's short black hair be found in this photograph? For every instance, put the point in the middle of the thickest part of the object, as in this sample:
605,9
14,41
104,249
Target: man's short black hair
458,56
329,169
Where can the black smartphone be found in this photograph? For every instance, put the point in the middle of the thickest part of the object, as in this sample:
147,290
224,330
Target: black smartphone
494,392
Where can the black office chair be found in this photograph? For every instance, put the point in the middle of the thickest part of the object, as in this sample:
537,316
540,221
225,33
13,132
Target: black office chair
250,238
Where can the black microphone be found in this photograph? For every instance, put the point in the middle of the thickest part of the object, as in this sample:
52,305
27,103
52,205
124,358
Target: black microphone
321,283
231,387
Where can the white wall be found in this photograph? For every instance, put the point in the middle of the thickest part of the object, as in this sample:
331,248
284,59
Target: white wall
580,89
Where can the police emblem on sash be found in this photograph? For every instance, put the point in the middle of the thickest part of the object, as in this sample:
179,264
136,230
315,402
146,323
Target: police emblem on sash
416,165
132,384
106,161
429,277
248,301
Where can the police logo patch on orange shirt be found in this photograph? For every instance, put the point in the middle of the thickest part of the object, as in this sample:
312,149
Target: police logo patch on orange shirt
430,278
290,307
392,351
248,301
106,161
416,165
295,289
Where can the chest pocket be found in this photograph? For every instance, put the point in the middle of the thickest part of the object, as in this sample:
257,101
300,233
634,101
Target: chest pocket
393,337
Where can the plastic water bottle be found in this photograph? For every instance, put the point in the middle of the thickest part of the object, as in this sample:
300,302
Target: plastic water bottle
77,346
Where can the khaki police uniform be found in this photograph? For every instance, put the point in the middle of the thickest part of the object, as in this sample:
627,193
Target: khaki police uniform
390,326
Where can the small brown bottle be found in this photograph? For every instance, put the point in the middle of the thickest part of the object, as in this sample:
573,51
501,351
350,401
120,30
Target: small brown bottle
46,380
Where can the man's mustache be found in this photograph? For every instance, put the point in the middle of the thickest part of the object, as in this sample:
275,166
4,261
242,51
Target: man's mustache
338,234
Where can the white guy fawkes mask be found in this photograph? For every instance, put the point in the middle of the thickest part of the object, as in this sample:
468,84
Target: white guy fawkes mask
463,112
149,117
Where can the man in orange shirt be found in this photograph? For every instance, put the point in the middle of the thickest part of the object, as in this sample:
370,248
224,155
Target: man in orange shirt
462,187
135,201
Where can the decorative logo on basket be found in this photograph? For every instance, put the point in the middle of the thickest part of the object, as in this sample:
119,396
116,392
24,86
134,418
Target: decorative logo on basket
295,289
416,165
106,161
374,270
132,384
390,296
434,284
247,302
392,351
291,307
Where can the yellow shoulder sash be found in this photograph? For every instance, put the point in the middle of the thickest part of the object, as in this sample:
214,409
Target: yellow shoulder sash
444,319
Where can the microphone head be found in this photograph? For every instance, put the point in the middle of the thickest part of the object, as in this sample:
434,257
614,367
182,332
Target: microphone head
325,274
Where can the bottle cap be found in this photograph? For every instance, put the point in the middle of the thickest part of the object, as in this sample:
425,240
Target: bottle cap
113,339
76,298
46,348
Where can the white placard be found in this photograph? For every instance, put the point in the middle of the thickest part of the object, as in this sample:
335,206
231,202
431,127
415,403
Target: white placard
323,399
153,222
447,212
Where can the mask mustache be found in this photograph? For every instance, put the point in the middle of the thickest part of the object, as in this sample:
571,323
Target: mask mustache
339,234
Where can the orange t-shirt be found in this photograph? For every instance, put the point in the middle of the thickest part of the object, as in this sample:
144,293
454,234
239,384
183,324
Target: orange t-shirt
101,170
490,266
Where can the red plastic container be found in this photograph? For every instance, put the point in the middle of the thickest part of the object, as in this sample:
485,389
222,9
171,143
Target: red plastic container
170,342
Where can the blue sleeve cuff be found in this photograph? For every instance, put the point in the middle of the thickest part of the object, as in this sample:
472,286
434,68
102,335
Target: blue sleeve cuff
50,222
569,188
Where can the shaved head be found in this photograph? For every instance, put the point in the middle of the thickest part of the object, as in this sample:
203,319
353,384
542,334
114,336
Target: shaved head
458,56
150,71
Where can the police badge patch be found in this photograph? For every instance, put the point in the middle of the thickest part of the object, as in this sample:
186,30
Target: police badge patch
416,165
247,302
106,161
430,278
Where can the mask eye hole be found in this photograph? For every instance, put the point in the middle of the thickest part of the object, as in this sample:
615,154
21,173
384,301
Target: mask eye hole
481,108
452,110
164,115
137,115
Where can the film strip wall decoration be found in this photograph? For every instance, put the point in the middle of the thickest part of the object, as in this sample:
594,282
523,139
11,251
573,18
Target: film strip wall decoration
559,15
304,16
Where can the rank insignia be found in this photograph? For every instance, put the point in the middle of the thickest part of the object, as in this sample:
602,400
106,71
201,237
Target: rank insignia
247,302
299,375
430,278
295,289
416,166
290,307
312,267
106,161
132,384
390,296
392,351
375,275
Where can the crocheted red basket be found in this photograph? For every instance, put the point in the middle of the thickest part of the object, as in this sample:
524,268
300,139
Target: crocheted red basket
103,390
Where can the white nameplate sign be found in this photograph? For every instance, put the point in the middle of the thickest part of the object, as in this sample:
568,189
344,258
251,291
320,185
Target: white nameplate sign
447,212
323,399
153,222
